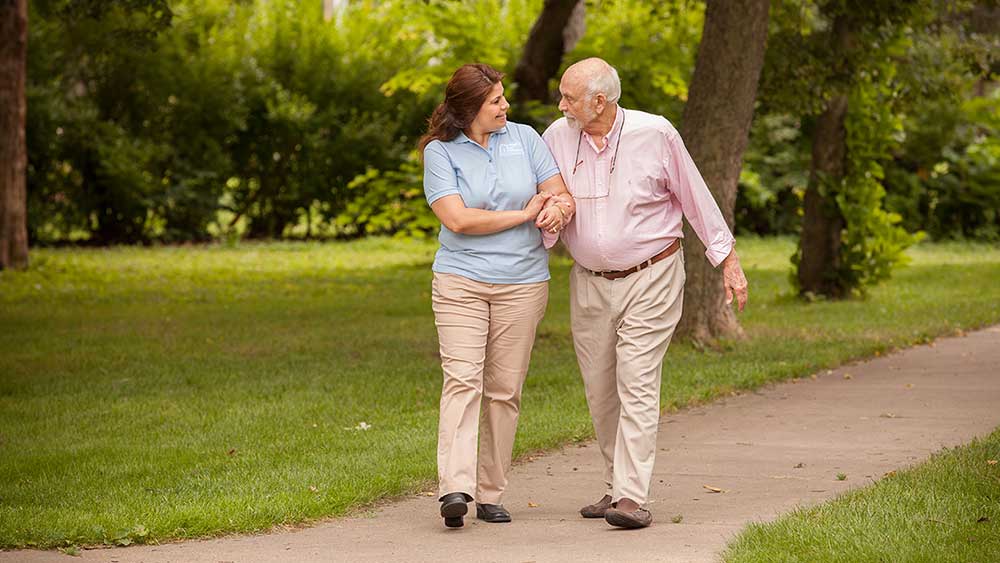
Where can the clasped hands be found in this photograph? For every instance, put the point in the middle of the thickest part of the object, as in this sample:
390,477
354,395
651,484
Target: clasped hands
550,213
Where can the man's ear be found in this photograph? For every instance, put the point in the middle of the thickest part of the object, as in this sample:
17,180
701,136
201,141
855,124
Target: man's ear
600,103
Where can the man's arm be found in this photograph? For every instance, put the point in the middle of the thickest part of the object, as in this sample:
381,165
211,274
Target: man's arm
702,212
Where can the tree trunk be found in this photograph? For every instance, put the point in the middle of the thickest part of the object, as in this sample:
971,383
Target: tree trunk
822,221
556,30
716,128
13,147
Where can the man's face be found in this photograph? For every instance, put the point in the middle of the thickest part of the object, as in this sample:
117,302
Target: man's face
575,104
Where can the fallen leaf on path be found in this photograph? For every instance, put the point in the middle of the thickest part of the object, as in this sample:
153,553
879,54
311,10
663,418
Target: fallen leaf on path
889,474
677,519
991,462
799,466
712,489
848,376
887,415
532,505
429,494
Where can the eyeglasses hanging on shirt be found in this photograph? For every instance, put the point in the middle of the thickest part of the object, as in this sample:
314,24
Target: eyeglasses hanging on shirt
614,158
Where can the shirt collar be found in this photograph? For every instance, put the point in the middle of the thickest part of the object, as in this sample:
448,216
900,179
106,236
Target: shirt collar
463,138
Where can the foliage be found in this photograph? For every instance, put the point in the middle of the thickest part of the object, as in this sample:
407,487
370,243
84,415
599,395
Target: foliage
873,241
895,58
945,180
389,203
652,45
253,108
774,176
260,119
941,94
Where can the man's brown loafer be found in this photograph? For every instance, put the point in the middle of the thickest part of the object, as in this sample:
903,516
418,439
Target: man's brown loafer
597,509
638,518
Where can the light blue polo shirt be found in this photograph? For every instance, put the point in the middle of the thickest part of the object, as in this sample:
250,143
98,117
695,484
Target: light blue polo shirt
503,176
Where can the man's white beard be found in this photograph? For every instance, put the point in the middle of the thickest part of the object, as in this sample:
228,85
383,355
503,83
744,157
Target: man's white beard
576,123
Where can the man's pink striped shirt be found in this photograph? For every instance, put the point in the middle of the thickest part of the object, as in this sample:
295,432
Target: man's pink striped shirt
626,217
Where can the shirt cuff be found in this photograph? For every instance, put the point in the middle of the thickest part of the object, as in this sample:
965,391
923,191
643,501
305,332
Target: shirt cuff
720,248
431,199
547,174
549,239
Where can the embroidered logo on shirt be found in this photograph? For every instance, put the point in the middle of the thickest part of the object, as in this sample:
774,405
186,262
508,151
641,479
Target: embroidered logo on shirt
511,149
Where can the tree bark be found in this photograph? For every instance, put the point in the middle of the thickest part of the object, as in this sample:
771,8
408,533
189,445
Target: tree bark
13,147
715,129
557,29
822,221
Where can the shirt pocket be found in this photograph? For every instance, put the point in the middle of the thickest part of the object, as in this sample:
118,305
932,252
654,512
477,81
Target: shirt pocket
583,186
646,182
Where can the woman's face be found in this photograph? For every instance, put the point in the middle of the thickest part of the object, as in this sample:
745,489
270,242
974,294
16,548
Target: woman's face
492,115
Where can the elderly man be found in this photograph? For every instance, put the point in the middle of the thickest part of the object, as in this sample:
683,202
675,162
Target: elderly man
632,180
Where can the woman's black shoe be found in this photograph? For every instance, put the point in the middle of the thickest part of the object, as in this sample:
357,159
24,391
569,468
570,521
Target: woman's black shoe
453,508
495,513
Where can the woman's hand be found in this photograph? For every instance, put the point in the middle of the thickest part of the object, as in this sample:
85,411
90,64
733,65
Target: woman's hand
535,205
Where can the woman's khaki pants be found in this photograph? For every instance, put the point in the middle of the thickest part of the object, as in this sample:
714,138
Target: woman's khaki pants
486,332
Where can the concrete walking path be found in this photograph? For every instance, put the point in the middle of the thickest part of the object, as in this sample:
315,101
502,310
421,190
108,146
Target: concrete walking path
769,451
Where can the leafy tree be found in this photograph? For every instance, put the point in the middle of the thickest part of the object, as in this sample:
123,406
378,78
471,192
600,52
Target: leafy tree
835,63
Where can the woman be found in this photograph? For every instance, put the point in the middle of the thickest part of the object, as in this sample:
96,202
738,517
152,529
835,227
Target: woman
493,185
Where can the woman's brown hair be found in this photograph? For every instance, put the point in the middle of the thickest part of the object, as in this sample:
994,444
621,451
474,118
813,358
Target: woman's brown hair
463,97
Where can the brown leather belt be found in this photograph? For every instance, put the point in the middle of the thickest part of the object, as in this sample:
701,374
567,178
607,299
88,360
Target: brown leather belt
669,251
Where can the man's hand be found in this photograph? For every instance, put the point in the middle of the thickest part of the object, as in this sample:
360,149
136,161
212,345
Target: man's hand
734,280
550,219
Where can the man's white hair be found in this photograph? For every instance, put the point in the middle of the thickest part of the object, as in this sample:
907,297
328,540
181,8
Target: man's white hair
604,79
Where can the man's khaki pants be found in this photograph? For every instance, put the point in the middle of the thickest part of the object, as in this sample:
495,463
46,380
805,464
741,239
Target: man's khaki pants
621,330
486,332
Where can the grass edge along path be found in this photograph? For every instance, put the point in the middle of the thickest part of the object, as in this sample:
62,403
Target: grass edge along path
944,509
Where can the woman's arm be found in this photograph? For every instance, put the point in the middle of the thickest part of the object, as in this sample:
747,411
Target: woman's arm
458,218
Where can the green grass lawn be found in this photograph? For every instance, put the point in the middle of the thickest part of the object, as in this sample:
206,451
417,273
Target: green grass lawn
944,510
159,393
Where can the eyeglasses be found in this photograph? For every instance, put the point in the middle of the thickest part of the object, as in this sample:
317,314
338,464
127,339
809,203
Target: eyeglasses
614,157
